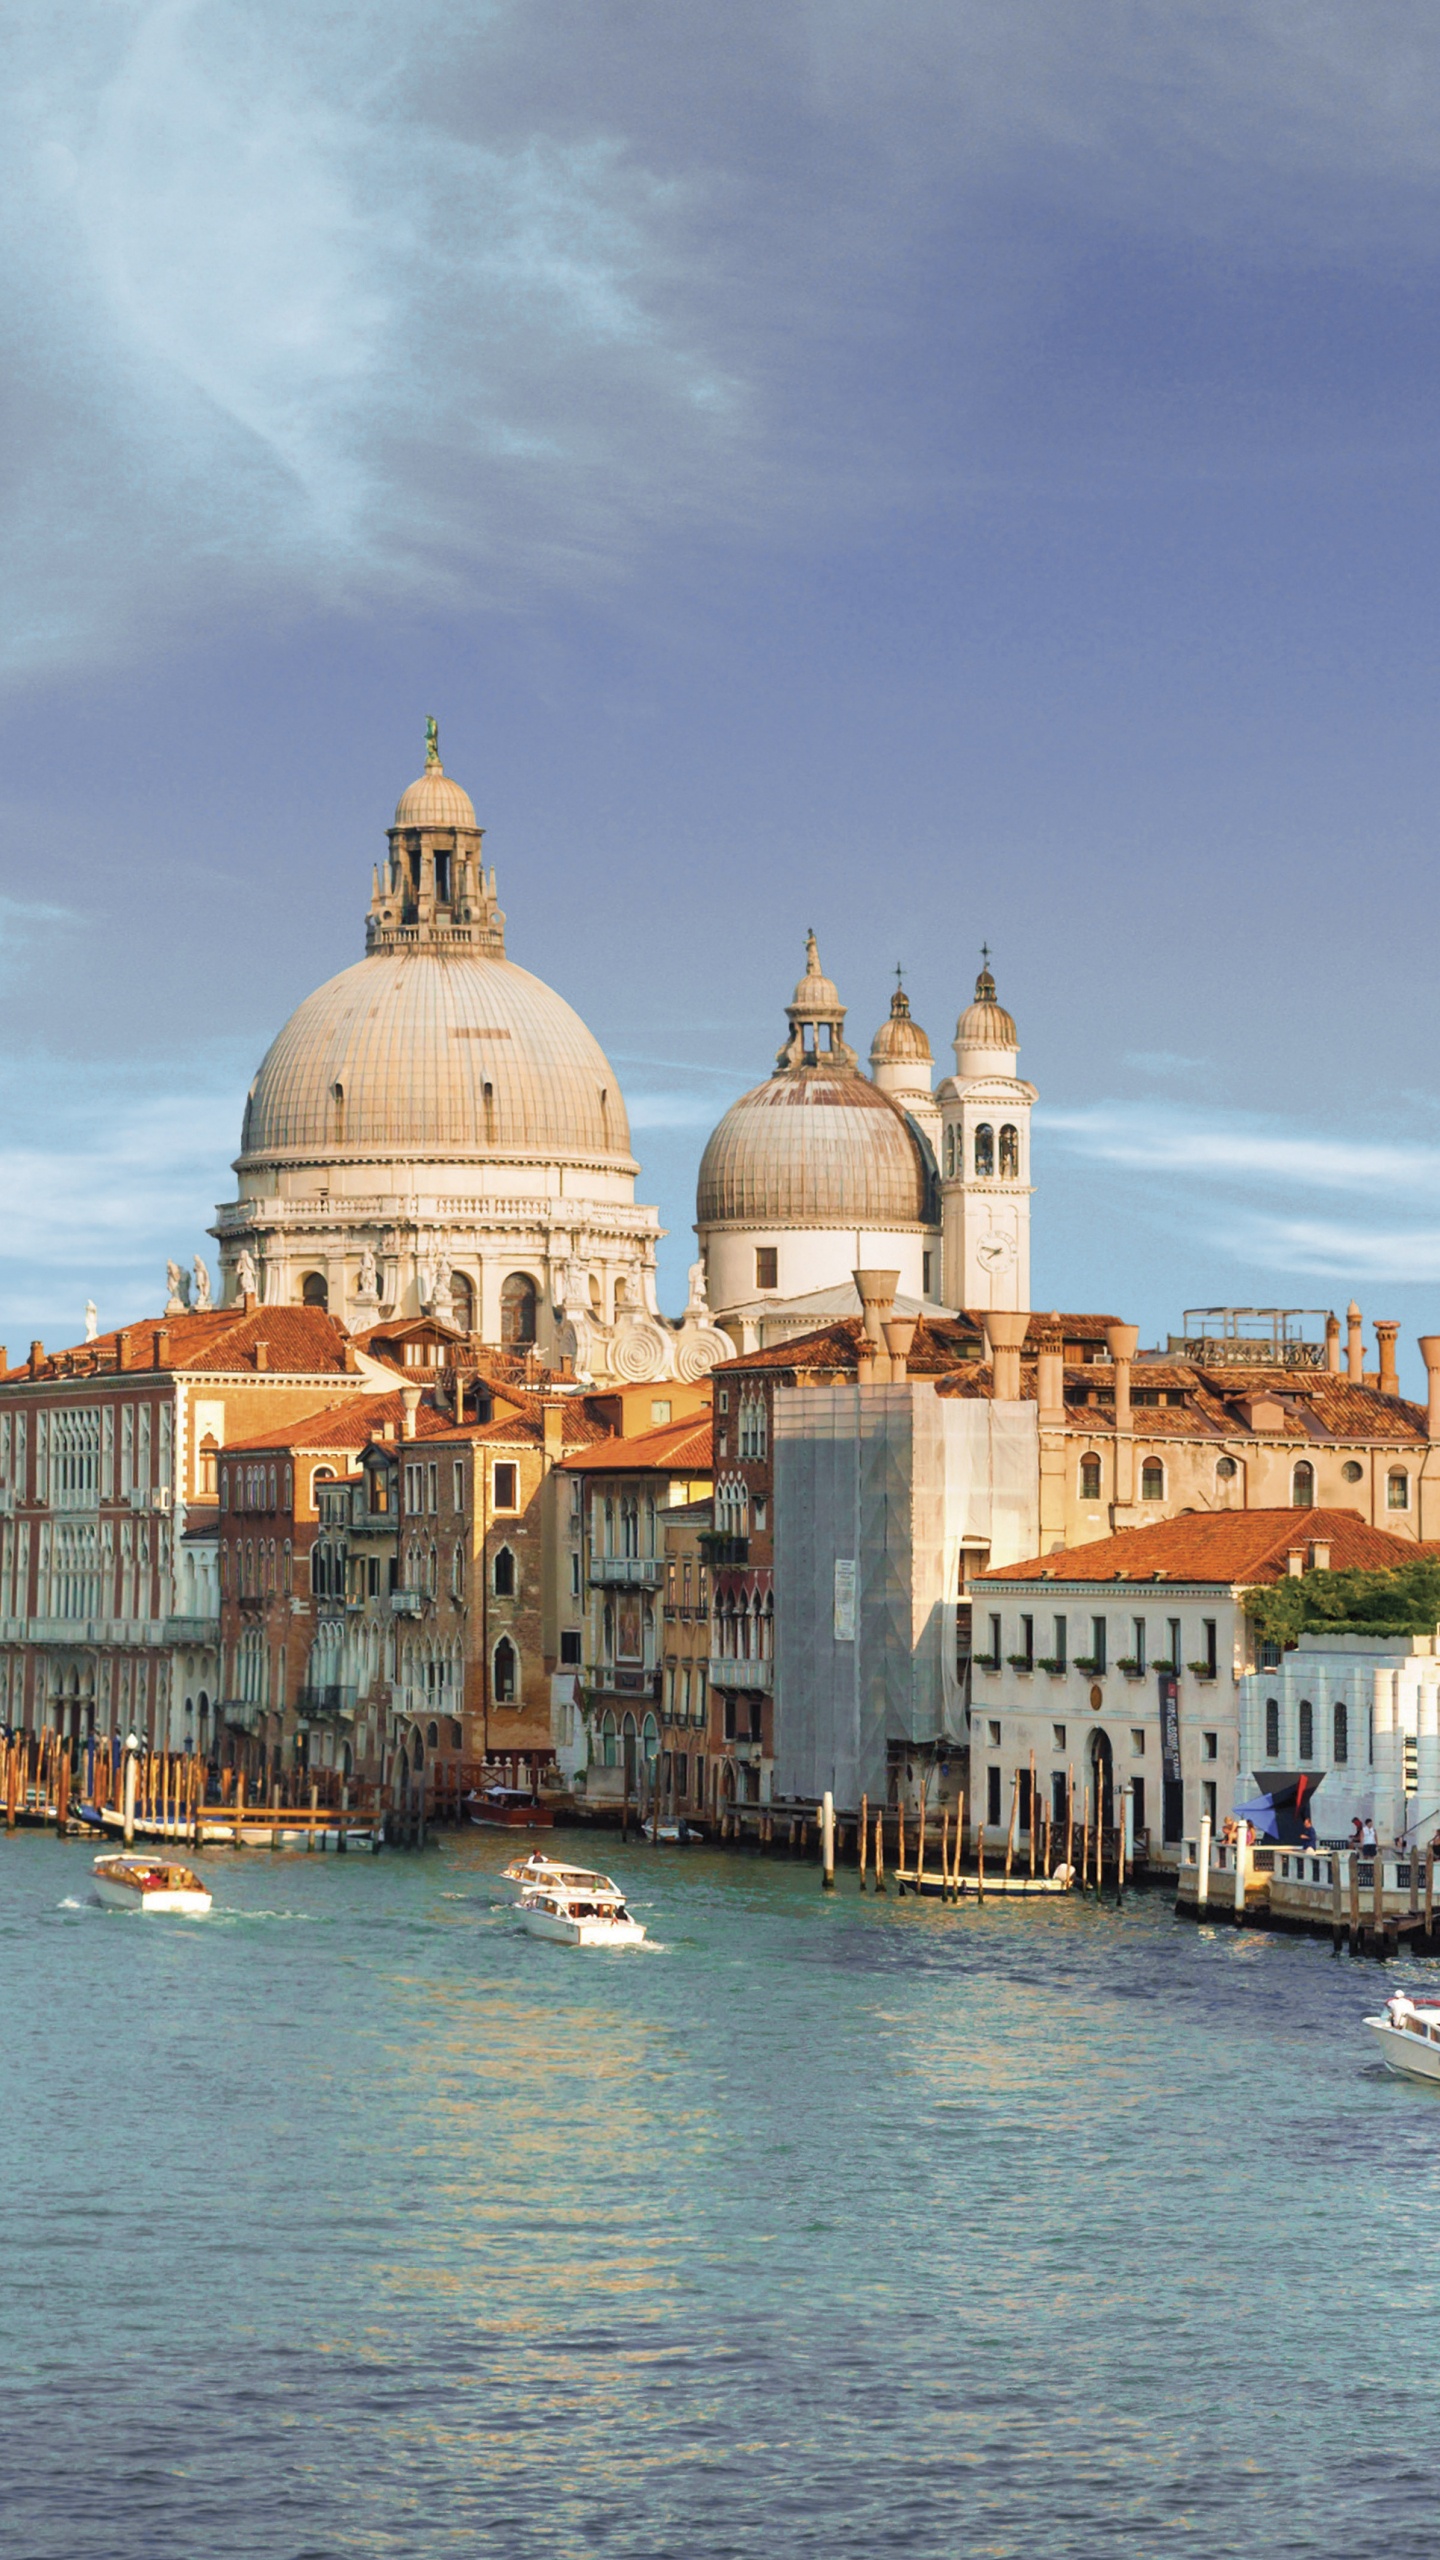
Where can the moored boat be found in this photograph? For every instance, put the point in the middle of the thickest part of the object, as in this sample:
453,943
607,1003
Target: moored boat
509,1809
149,1884
1408,2033
579,1919
536,1869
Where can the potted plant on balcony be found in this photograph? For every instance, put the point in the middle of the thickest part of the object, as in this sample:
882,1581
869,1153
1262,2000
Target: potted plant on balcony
1021,1661
1054,1663
1131,1665
1090,1664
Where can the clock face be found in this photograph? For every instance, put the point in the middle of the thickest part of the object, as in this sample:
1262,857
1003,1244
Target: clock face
993,1252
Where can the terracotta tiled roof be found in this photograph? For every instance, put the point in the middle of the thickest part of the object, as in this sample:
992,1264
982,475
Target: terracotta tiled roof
941,1343
1217,1546
1308,1407
680,1448
298,1341
339,1426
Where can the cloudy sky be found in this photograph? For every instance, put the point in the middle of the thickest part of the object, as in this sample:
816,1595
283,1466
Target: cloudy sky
943,470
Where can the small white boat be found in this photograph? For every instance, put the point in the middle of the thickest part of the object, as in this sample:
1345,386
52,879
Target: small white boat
579,1919
534,1869
149,1884
1408,2033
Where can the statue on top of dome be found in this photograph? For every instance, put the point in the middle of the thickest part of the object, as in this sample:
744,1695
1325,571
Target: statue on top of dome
432,745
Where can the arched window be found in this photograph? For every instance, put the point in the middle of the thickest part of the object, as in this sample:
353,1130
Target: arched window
1307,1730
289,1569
1341,1715
650,1739
507,1669
322,1475
1302,1485
518,1302
224,1488
314,1290
456,1736
1397,1490
609,1752
432,1736
462,1299
949,1154
984,1148
504,1573
208,1455
1152,1481
1010,1152
1272,1728
1090,1479
457,1571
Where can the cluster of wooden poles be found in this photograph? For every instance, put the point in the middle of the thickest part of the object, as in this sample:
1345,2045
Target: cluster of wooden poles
1042,1840
36,1778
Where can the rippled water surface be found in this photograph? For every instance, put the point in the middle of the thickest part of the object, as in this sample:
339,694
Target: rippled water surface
349,2220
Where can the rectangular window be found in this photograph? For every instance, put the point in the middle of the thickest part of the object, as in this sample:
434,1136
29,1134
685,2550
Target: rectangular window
994,1729
1137,1643
1027,1643
926,1264
459,1486
1058,1653
1058,1730
1341,1753
570,1646
1137,1742
992,1797
433,1487
1057,1799
1269,1654
574,1573
1307,1730
1207,1798
1175,1647
1209,1632
1137,1805
505,1484
1212,1746
1272,1728
995,1640
767,1266
1097,1643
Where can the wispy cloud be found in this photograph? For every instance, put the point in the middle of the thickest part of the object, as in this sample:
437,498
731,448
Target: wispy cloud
120,1169
24,922
1163,1062
1237,1148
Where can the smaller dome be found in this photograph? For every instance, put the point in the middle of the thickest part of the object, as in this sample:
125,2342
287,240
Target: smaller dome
986,1024
434,801
900,1041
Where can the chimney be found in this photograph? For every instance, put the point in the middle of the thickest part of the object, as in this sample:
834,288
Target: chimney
262,1355
1332,1345
37,1358
387,1430
1430,1354
1050,1377
410,1398
553,1421
899,1334
1122,1340
159,1347
1385,1332
1007,1334
4,1359
876,1293
352,1361
1319,1555
247,1302
1295,1563
1354,1348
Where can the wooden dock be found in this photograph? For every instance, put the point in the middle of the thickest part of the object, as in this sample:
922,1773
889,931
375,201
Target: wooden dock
1372,1905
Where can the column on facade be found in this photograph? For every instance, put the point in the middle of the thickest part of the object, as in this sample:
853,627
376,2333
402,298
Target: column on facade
1386,1774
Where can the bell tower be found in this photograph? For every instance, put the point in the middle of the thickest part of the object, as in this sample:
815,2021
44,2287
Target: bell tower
985,1185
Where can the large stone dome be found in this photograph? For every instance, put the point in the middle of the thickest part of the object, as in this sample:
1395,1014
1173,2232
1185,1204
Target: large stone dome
815,1147
423,1053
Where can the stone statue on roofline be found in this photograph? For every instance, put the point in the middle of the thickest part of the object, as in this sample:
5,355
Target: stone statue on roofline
367,1284
92,1320
177,1290
245,1274
202,1287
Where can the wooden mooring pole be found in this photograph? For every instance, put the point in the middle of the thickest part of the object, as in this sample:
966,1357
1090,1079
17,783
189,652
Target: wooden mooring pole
862,1843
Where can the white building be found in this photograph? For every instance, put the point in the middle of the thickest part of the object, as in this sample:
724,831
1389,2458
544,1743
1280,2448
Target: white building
436,1130
1360,1717
985,1162
1125,1663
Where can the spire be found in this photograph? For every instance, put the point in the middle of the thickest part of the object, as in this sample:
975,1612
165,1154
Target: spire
817,1019
985,983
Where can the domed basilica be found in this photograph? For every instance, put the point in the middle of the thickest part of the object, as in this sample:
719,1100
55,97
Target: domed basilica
822,1170
435,1131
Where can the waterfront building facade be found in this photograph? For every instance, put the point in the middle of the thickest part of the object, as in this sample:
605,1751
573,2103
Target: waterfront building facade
1131,1663
109,1502
628,1485
1359,1717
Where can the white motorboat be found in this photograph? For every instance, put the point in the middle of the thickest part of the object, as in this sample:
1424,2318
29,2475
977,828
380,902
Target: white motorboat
149,1884
1408,2033
579,1919
536,1869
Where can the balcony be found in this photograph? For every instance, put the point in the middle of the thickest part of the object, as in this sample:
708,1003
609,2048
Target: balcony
243,1715
644,1573
192,1630
407,1604
330,1704
721,1550
739,1674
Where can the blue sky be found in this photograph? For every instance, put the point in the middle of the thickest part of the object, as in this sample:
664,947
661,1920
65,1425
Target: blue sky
939,473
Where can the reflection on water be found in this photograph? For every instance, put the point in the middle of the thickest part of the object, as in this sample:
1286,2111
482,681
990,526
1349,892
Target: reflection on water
354,2221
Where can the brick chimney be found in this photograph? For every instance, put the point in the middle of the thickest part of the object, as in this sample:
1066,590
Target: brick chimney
1007,1335
1050,1377
1332,1345
1385,1332
1354,1346
262,1355
1430,1354
159,1347
37,1358
1319,1555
